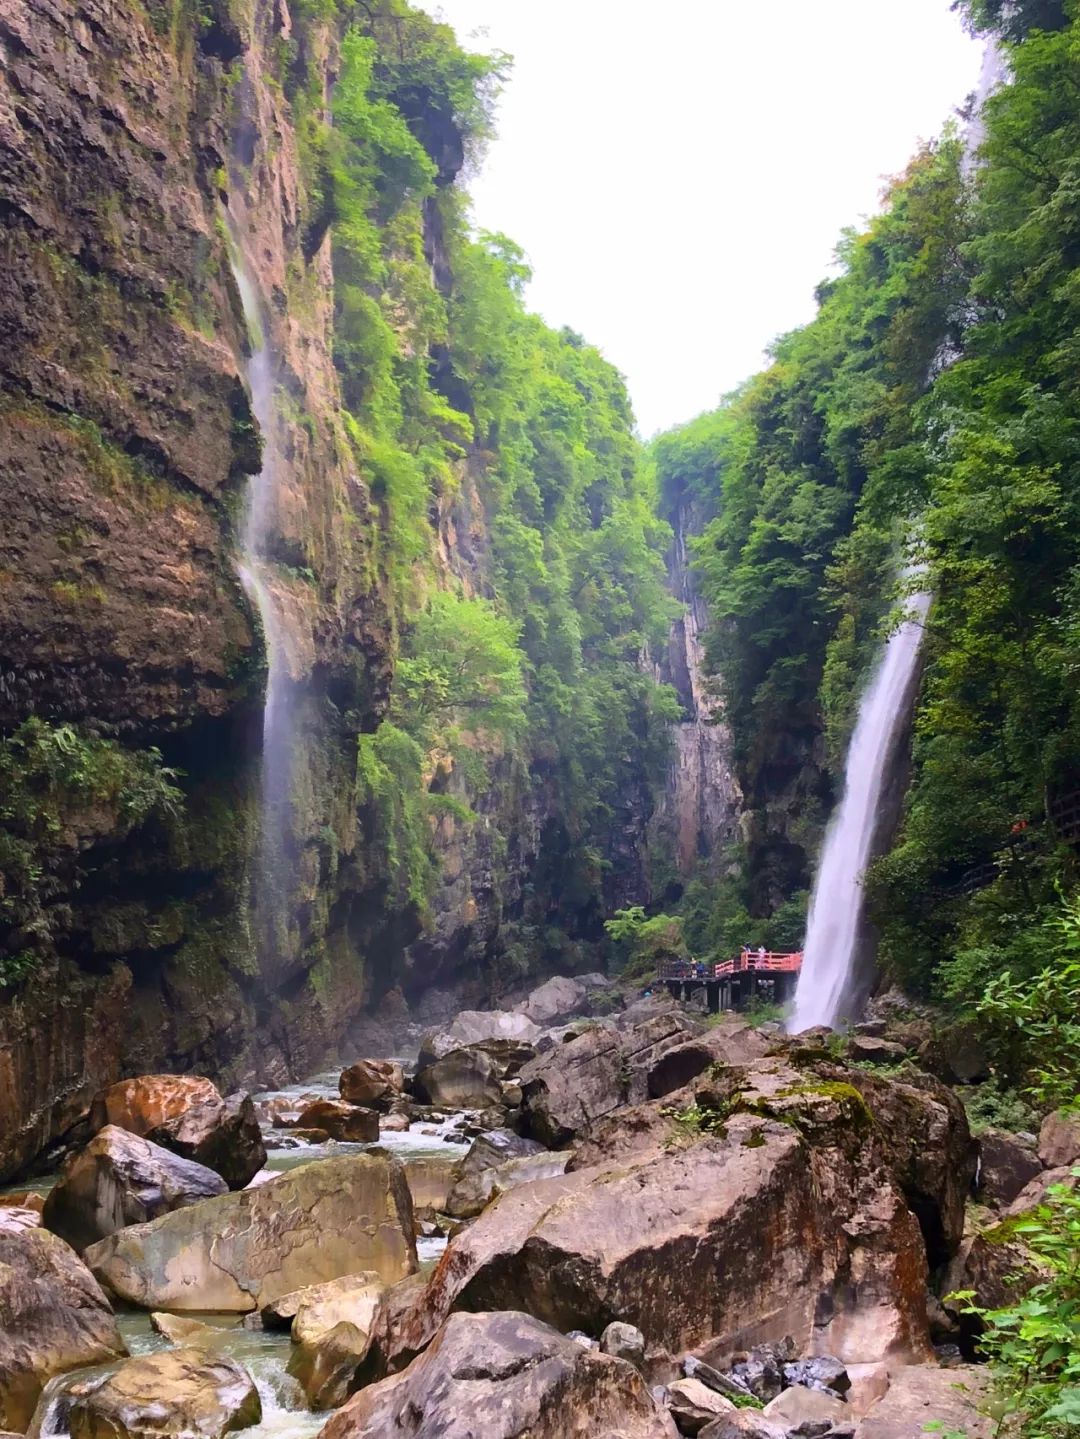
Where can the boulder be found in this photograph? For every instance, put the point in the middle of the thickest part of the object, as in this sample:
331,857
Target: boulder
799,1406
820,1372
922,1394
354,1299
476,1026
693,1405
869,1050
238,1252
995,1266
144,1104
331,1330
1006,1165
53,1318
624,1341
956,1053
349,1123
373,1082
559,1000
761,1373
1059,1139
929,1148
743,1424
179,1330
472,1194
506,1376
325,1368
744,1235
16,1218
495,1147
121,1179
182,1392
430,1178
732,1041
223,1134
1034,1192
566,1090
462,1079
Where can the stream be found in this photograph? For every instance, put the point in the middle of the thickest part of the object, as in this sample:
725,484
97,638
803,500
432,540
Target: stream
265,1354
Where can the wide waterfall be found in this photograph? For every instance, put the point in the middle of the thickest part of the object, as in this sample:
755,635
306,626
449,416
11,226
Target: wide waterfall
836,907
256,572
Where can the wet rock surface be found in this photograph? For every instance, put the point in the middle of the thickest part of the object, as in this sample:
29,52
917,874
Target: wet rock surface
179,1392
239,1252
53,1318
120,1179
505,1376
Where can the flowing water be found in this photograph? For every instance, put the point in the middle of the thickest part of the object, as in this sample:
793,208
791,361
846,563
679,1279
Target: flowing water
264,1355
257,572
836,906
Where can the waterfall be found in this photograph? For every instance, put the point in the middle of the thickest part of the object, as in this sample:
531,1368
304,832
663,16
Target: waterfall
832,934
836,906
257,572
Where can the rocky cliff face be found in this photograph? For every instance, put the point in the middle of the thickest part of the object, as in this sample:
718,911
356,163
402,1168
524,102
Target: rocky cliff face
149,155
126,435
698,815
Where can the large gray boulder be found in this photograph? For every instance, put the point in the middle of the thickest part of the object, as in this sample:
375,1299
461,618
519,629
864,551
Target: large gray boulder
53,1318
761,1228
559,1000
571,1086
180,1392
474,1192
487,1151
120,1179
241,1251
476,1026
504,1376
1006,1164
463,1079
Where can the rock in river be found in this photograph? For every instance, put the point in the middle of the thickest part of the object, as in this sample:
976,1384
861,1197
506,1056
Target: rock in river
504,1376
187,1393
375,1082
187,1114
241,1251
53,1318
348,1122
476,1026
120,1179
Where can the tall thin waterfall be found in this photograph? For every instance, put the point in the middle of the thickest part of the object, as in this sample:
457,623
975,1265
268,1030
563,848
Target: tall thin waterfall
836,907
832,935
256,572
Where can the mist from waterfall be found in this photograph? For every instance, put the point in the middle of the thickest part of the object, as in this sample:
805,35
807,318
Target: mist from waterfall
256,572
836,906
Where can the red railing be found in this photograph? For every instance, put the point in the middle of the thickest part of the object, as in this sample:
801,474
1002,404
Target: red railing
750,961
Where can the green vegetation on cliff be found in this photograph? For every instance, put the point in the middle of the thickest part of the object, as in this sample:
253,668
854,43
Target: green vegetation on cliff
518,542
930,411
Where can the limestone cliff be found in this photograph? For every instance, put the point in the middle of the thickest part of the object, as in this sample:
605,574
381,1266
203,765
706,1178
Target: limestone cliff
426,435
697,817
125,438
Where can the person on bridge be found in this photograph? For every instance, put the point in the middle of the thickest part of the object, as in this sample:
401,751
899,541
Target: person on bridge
761,952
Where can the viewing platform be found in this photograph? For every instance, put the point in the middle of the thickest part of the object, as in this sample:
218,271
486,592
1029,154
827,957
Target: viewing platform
733,983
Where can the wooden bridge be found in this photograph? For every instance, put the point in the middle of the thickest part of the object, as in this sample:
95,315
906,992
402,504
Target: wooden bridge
733,983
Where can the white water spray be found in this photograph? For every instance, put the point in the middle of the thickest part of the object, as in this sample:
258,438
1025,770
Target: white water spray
836,907
256,572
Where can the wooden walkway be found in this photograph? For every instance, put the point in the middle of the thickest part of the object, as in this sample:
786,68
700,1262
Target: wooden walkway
734,983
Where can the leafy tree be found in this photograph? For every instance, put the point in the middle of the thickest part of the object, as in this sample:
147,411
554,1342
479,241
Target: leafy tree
1033,1344
463,667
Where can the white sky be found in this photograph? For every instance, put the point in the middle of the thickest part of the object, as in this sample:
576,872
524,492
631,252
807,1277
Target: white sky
678,173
